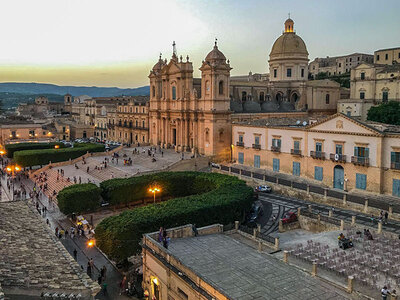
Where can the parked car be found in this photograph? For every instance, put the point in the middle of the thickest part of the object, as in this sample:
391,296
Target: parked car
256,211
289,217
264,189
214,165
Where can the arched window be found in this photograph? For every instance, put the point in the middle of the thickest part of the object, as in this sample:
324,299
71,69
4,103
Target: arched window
130,124
154,91
125,123
120,123
327,98
136,123
143,123
221,87
174,93
262,97
244,96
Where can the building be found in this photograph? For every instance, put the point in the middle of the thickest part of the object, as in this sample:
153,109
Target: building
132,121
192,114
187,269
40,108
18,131
370,85
338,151
388,56
339,64
187,118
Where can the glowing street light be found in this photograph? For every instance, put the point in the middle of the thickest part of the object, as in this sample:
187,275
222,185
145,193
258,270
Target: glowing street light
12,170
56,146
91,243
154,191
2,152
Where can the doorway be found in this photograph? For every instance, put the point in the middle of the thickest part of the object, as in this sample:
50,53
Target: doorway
338,177
174,136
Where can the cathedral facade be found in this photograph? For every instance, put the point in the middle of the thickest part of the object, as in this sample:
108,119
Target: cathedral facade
192,114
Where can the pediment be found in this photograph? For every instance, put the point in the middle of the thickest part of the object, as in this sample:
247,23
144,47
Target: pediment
171,68
341,123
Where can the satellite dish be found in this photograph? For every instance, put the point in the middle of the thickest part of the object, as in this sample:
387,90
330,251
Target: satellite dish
304,123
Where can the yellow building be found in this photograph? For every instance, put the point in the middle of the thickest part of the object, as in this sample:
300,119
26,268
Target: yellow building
388,56
338,151
15,132
132,121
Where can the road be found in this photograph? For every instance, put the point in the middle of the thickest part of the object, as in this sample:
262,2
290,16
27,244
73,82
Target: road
291,204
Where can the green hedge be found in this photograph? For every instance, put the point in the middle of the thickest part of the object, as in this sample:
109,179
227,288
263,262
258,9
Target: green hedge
28,158
202,198
79,198
11,148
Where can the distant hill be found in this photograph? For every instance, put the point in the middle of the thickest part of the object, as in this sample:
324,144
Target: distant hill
11,100
93,91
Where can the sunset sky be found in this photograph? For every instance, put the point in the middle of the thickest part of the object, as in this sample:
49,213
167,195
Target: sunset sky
116,42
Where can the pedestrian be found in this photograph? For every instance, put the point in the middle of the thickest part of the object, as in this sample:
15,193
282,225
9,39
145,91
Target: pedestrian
89,270
160,234
194,228
47,222
386,217
99,280
385,292
103,272
91,262
122,285
162,154
75,254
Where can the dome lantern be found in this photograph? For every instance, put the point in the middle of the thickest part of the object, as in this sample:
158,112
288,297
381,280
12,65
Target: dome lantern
289,25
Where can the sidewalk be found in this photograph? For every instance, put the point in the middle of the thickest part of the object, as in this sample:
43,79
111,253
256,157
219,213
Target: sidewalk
84,253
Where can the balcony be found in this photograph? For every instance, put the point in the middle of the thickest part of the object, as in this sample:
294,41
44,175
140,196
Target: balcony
240,144
275,149
317,154
257,146
337,157
359,160
295,152
395,165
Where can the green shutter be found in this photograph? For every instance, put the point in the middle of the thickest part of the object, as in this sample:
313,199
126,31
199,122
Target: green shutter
355,151
366,152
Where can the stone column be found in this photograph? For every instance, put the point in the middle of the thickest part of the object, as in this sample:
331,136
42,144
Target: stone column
379,227
314,269
298,211
350,284
276,243
280,226
236,225
366,206
285,256
344,199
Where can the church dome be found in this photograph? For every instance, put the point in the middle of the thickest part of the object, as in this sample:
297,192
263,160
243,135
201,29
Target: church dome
289,43
236,106
158,66
251,106
269,106
215,55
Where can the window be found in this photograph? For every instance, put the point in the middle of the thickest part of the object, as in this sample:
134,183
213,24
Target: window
339,149
289,72
361,181
63,129
276,143
318,173
395,160
241,157
130,124
143,124
174,93
340,64
137,123
348,113
398,55
261,97
31,132
377,57
296,168
240,138
275,73
318,147
358,58
257,140
350,58
362,95
221,87
302,72
154,91
244,96
120,123
327,99
182,294
386,56
385,96
275,164
296,145
361,152
362,75
257,161
396,187
142,138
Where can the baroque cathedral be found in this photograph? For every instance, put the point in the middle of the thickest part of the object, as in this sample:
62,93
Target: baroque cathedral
195,114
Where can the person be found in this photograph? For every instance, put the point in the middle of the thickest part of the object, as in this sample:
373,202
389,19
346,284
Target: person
194,228
386,217
91,263
165,242
103,272
385,292
122,285
75,254
369,235
160,234
89,270
341,236
372,219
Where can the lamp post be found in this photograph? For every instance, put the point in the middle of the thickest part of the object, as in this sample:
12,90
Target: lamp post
13,169
154,191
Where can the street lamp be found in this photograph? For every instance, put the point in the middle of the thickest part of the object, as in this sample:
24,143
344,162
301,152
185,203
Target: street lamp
91,243
154,191
13,169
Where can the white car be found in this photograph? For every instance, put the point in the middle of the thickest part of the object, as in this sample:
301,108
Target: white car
264,189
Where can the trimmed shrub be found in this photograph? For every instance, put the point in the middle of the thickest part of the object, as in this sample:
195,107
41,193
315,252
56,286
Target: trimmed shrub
11,148
28,158
200,198
79,198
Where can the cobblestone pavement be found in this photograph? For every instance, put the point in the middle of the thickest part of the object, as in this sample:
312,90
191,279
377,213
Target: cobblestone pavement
242,272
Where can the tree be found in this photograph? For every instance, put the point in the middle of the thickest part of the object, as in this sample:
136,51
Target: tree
388,113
